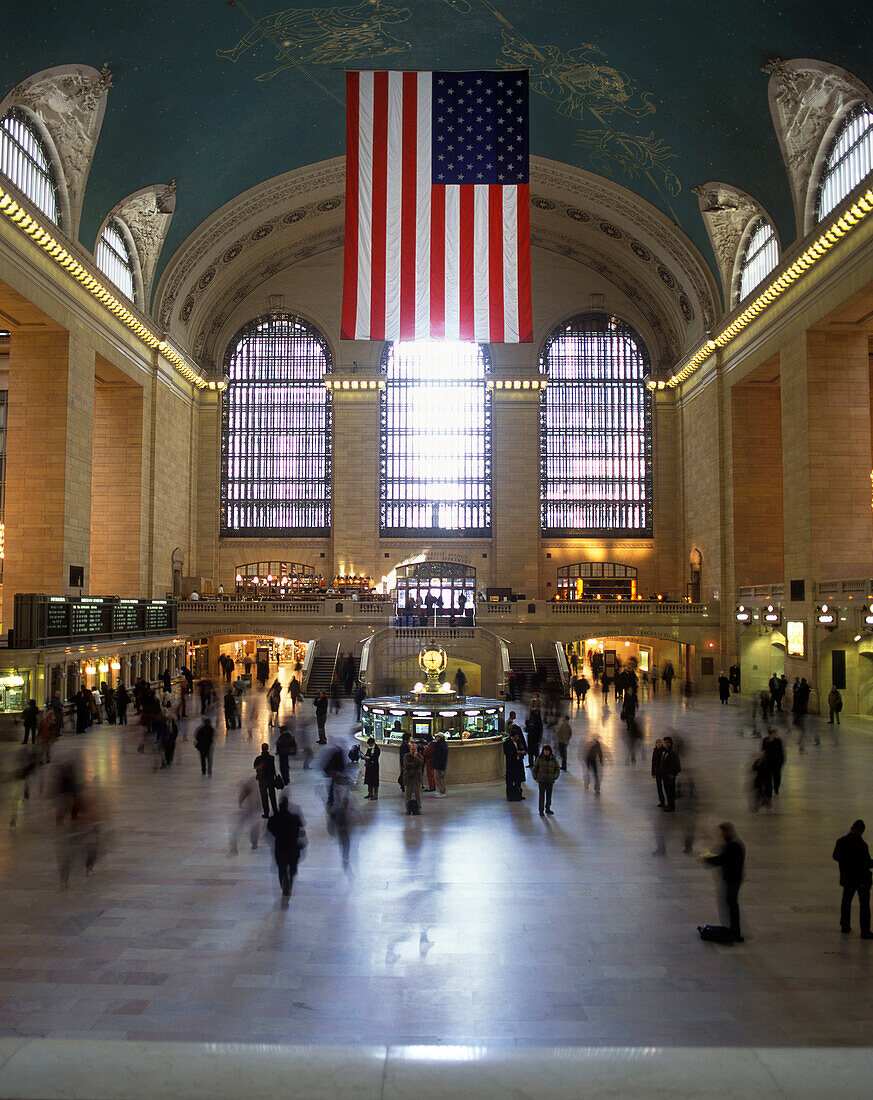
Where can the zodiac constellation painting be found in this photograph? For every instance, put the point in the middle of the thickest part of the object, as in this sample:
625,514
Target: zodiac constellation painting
585,86
323,36
580,80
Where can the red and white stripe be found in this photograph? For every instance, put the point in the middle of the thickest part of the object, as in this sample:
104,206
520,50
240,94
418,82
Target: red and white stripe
422,261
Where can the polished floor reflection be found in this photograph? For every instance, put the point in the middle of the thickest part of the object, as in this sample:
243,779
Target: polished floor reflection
477,922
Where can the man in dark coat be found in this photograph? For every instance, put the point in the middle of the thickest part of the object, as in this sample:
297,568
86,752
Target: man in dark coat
203,740
513,750
774,758
321,716
670,769
657,758
853,856
289,835
731,859
286,747
265,773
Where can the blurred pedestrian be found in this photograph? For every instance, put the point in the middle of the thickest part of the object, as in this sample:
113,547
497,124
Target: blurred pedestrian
657,757
265,774
320,705
413,764
513,751
731,859
288,829
340,818
563,735
246,816
204,740
440,763
835,705
286,747
593,764
670,769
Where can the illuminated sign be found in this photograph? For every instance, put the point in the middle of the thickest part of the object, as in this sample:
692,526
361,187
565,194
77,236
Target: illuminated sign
796,639
826,615
742,615
771,615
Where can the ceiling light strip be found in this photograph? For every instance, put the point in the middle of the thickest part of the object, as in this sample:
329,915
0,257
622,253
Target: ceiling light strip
825,241
56,251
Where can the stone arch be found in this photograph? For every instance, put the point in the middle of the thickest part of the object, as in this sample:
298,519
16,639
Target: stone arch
729,215
68,102
808,100
145,215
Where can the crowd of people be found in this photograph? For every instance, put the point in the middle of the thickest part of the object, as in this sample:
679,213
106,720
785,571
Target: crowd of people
536,752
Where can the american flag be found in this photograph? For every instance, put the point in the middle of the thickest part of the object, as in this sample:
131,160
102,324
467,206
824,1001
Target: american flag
437,243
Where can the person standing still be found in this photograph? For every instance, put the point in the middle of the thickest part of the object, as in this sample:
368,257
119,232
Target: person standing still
853,856
835,705
440,762
563,734
657,757
670,769
546,771
372,752
321,716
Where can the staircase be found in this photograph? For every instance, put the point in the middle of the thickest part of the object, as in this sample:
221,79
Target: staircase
321,673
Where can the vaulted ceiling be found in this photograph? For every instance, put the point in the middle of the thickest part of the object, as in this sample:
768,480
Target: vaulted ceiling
221,96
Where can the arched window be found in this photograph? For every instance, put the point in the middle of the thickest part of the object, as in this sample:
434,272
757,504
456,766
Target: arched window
435,468
850,159
760,257
114,258
24,161
596,434
276,431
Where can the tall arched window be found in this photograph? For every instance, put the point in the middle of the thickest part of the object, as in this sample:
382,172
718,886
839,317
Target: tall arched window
114,258
596,433
850,159
435,471
760,257
276,431
24,161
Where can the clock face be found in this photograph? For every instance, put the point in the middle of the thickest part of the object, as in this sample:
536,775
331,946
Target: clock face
433,660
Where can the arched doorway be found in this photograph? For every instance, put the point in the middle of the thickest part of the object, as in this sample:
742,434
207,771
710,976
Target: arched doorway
597,580
436,593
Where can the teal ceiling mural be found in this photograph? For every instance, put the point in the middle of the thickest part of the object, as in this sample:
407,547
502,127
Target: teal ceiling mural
223,94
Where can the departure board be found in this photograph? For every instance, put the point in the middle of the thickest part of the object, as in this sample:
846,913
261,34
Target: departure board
57,624
41,620
126,617
88,617
157,615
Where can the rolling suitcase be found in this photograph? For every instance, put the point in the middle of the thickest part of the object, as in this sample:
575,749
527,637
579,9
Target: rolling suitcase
715,933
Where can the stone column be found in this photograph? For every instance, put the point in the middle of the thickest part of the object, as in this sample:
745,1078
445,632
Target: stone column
826,463
48,464
355,478
515,501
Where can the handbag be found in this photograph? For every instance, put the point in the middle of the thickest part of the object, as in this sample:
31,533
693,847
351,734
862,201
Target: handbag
278,782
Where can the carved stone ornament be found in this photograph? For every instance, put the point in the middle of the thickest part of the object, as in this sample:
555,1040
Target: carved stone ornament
147,214
806,99
727,212
69,101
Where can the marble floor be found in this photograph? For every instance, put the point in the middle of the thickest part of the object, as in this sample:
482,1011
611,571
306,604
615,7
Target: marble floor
476,923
